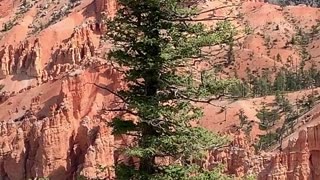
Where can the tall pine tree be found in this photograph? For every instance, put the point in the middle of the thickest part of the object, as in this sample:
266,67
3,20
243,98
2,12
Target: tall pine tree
155,43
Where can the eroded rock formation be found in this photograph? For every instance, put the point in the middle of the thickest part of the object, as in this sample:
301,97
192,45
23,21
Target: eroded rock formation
78,50
62,144
300,160
26,58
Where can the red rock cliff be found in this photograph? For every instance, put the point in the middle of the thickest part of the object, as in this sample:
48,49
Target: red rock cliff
72,138
300,160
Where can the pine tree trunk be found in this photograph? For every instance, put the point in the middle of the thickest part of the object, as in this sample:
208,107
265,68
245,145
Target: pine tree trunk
147,163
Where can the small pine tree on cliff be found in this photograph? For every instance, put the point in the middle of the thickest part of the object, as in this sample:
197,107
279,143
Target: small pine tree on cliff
156,42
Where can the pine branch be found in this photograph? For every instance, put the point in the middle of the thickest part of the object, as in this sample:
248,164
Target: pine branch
109,90
154,122
207,101
122,110
188,18
218,8
220,18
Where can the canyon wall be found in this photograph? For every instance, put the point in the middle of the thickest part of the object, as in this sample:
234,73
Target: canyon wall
300,160
70,139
